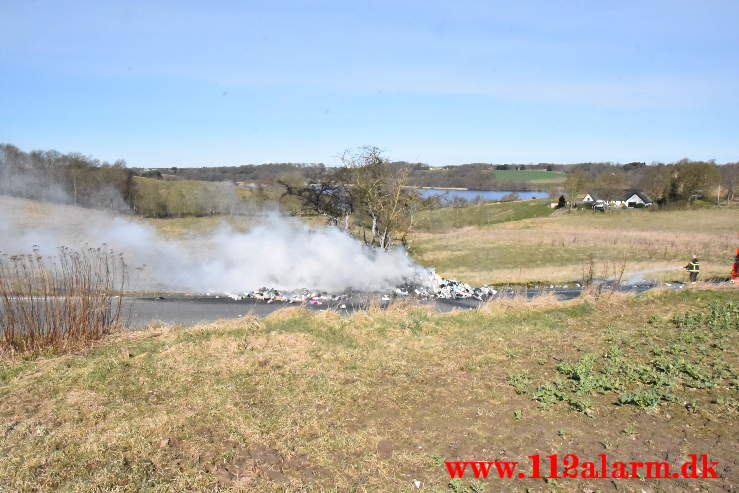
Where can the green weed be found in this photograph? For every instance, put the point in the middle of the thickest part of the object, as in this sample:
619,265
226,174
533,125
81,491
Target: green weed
685,353
519,381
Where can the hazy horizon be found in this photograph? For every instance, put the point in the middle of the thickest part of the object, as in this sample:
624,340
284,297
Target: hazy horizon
337,161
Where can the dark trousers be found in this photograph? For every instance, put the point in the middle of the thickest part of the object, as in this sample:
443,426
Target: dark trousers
693,276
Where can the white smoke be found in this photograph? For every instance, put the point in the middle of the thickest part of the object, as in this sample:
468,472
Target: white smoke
279,252
635,277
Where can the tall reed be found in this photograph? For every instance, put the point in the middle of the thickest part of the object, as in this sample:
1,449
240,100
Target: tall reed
59,301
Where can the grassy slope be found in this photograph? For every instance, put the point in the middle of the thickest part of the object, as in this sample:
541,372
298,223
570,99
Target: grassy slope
557,248
531,176
72,221
182,227
313,401
487,214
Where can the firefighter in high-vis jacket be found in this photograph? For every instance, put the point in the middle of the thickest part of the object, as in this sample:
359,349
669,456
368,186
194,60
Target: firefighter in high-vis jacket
693,268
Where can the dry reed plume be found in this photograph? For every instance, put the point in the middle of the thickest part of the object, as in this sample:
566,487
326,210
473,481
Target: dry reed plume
59,301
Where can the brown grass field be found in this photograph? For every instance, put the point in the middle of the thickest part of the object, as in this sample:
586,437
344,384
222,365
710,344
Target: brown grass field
303,401
557,248
373,402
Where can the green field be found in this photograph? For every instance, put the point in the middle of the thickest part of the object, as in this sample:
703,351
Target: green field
533,176
485,214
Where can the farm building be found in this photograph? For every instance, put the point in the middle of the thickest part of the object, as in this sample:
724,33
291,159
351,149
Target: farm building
618,198
633,198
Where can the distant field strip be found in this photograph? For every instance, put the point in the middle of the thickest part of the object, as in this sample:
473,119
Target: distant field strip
487,214
534,176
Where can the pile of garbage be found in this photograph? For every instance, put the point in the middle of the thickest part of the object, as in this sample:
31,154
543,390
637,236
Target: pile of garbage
271,295
438,287
428,286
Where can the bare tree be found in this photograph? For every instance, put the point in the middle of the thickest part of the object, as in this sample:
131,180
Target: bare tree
327,194
575,184
611,183
730,179
368,192
655,181
696,179
381,198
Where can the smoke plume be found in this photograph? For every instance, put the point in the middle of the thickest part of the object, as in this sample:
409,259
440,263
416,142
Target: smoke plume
279,251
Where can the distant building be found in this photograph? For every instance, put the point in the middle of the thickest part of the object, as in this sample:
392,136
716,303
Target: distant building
618,198
591,197
634,197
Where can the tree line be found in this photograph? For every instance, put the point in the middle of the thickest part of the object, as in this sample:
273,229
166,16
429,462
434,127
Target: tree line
84,181
67,178
681,182
367,196
332,191
655,179
267,173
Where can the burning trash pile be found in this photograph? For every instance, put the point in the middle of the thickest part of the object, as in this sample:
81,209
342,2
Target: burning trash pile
270,295
427,285
446,289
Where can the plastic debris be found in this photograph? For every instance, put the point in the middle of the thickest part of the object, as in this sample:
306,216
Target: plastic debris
427,285
438,287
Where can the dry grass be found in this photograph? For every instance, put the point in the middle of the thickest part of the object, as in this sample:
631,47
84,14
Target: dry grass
304,401
183,227
59,302
709,220
521,302
538,249
554,249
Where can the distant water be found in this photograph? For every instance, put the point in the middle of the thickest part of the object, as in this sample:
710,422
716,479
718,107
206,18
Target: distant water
485,195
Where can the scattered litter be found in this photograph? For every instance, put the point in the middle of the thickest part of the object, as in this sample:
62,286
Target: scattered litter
427,285
449,289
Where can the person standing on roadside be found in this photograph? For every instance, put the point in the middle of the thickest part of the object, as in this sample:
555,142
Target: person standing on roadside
693,268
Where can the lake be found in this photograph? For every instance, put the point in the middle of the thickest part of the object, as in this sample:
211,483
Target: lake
485,195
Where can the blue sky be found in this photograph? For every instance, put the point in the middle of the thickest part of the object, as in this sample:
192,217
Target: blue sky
205,83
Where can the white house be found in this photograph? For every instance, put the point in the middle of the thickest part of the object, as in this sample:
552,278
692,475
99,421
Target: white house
634,197
627,198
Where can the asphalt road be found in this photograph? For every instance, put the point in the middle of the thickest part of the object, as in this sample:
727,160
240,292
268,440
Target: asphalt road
190,310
